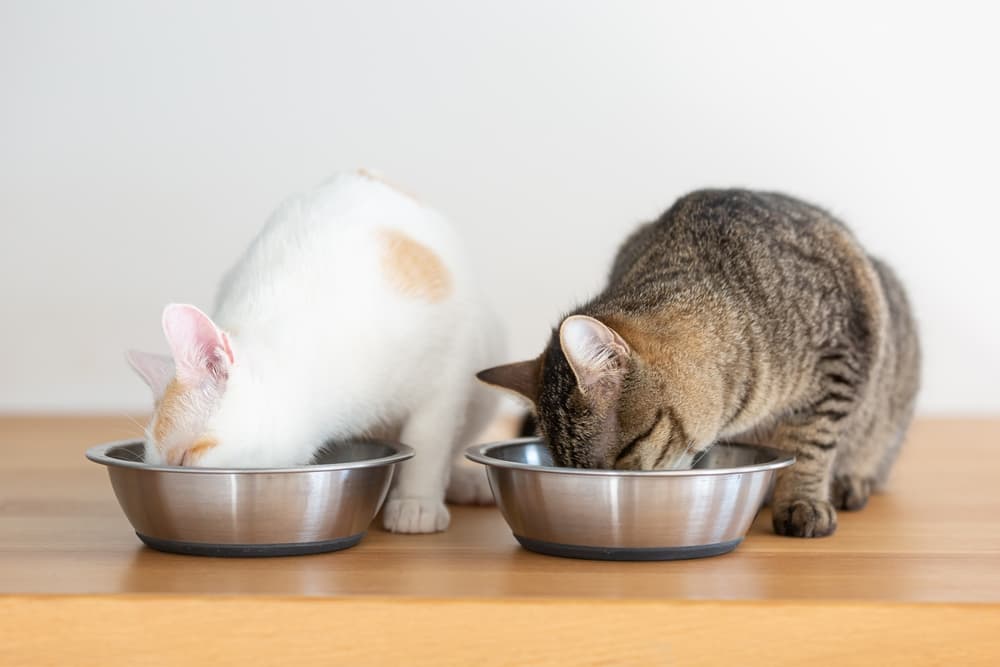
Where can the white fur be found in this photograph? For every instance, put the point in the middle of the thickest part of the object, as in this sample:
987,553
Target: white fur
324,347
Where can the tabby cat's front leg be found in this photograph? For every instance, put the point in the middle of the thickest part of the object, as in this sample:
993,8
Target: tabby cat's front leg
801,505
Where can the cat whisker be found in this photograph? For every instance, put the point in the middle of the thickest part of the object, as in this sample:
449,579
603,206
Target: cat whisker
699,456
132,456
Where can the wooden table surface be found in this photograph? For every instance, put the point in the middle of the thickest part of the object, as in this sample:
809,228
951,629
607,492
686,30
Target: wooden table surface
934,537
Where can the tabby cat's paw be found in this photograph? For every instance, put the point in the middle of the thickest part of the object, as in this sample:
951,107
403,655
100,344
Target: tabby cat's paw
415,515
850,493
804,517
469,486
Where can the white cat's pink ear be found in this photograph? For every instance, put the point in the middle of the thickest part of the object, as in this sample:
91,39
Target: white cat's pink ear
201,350
156,369
595,351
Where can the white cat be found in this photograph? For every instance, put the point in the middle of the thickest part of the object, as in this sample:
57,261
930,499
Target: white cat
353,313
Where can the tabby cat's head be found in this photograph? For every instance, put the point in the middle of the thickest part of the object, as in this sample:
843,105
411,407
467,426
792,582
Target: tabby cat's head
598,404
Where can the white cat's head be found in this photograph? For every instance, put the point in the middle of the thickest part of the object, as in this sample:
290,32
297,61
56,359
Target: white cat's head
188,388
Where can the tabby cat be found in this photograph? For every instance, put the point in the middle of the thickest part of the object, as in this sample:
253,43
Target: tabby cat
738,315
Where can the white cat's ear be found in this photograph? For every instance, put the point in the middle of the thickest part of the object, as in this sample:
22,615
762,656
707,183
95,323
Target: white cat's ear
595,351
521,377
201,350
156,369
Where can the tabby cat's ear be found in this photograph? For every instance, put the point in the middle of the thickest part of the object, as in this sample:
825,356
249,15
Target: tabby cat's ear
521,377
595,351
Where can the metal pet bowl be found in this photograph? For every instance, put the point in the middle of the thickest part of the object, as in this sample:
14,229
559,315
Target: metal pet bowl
324,506
627,514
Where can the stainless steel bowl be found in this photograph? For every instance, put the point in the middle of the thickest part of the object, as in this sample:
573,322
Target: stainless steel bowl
629,515
324,506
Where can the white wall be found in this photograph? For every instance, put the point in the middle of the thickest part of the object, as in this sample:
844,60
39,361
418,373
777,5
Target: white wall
143,143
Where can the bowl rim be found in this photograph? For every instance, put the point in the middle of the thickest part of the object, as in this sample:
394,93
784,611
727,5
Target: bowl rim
481,454
99,454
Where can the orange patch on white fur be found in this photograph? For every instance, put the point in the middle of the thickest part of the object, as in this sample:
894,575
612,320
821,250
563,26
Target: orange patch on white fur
200,446
168,409
412,268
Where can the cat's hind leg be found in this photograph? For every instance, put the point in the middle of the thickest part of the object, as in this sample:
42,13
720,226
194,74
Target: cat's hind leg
853,475
864,459
469,485
851,492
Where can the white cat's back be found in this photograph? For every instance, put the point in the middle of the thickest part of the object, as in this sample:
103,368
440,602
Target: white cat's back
333,240
358,296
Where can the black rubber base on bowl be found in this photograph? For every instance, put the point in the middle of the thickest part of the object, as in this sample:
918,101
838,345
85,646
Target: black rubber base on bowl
250,550
615,553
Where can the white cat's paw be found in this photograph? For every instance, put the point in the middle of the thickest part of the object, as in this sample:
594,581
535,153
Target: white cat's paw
415,515
469,486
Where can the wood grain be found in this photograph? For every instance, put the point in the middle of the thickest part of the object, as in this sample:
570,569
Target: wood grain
914,579
241,631
934,536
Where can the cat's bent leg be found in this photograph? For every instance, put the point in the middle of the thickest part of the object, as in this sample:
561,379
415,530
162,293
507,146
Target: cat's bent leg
853,476
864,457
416,501
851,492
469,485
801,506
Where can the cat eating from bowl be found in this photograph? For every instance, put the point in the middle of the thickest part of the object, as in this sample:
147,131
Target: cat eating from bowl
354,313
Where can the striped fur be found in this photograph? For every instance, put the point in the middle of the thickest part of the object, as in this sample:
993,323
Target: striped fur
749,316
